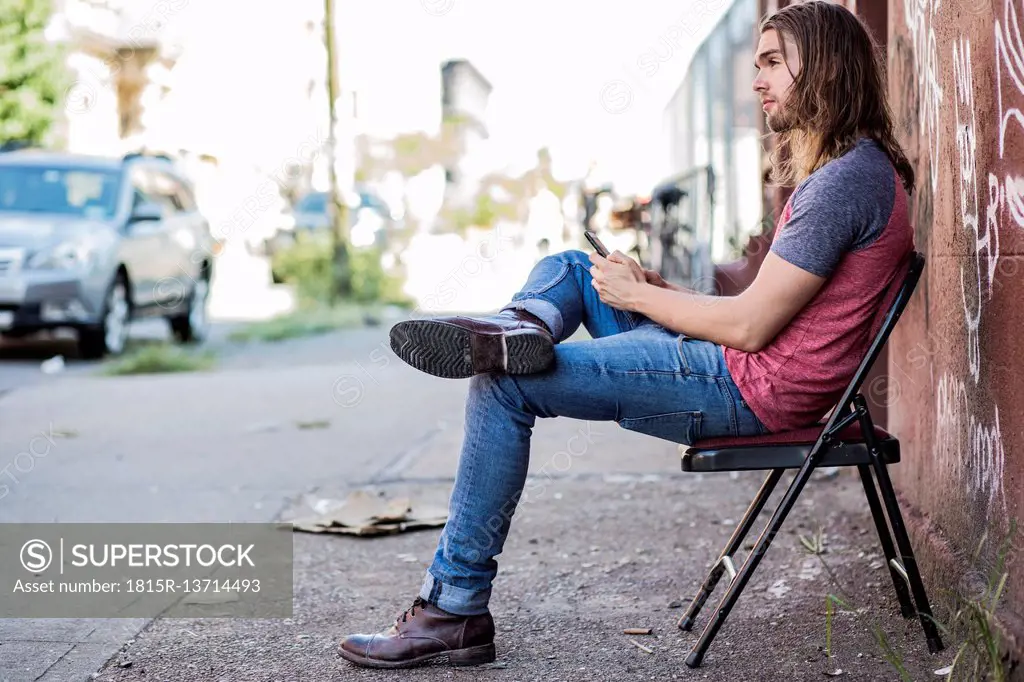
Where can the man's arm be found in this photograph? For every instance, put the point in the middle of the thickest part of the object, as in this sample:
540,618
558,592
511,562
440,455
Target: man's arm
748,321
654,277
677,287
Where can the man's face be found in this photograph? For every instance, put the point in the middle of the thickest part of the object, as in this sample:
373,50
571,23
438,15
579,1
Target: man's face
775,78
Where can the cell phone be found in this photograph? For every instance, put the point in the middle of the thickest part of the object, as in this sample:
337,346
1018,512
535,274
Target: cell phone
596,243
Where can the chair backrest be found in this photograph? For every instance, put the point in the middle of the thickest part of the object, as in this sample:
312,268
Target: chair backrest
899,304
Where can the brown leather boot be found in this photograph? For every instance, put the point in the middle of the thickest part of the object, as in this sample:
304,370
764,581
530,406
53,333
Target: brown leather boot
513,342
422,633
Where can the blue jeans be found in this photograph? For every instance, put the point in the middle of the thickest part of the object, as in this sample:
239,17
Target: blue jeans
633,371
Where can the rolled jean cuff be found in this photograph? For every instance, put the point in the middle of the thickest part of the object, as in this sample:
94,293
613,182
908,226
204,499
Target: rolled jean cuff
546,311
457,600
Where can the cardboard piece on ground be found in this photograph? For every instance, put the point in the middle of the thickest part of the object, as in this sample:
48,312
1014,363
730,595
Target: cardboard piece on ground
367,514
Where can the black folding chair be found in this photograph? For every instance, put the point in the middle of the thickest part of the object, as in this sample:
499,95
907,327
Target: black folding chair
848,438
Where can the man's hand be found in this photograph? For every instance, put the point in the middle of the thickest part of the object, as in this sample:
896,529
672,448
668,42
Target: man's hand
618,279
654,278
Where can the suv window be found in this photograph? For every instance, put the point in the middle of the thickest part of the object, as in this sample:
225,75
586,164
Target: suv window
139,197
166,189
186,199
67,190
155,186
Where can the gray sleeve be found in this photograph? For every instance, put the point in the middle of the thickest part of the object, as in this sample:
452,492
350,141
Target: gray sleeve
842,207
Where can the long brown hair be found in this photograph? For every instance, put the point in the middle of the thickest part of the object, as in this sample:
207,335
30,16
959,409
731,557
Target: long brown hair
837,97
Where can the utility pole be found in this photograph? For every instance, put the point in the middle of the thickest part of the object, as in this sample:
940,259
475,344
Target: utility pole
338,207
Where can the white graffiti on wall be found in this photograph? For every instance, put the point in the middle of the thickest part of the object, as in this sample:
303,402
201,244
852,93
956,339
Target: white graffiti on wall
919,14
968,449
985,238
1009,58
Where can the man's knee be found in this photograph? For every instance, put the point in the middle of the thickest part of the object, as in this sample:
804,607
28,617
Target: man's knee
574,256
503,389
494,385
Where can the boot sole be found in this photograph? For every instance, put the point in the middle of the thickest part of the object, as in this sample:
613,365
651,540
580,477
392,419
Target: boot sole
476,655
452,352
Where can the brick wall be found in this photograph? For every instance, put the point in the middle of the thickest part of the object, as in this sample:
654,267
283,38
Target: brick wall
957,87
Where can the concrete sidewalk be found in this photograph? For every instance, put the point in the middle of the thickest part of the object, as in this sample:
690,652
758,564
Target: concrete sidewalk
610,535
589,555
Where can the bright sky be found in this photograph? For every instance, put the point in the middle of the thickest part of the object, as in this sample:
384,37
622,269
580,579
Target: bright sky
588,80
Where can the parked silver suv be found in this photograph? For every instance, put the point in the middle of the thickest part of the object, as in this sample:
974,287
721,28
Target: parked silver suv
91,243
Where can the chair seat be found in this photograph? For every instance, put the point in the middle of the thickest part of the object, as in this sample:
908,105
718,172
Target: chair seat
786,450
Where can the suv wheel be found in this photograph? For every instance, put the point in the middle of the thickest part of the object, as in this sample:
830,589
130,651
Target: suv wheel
110,337
193,326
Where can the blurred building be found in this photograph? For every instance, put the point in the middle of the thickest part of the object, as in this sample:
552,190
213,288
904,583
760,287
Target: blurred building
464,98
120,54
712,122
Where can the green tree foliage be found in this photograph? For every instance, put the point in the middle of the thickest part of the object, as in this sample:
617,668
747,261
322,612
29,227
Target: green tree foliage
32,74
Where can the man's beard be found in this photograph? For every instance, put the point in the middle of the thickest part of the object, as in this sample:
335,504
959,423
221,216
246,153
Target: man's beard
779,121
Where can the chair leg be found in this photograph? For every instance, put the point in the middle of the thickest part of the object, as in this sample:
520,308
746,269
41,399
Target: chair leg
882,525
693,660
899,530
686,622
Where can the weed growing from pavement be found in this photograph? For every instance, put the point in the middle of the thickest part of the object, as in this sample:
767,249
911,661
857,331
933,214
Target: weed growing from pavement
979,657
814,545
158,359
975,619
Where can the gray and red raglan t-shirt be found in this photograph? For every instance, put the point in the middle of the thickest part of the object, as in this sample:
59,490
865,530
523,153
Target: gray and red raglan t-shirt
847,222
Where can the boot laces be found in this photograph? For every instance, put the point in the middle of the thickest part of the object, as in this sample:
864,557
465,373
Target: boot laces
411,611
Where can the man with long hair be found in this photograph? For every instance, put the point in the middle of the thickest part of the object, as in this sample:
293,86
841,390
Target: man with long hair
666,361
